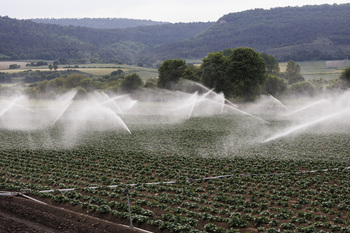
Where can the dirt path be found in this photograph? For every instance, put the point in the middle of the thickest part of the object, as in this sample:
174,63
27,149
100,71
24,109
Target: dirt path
22,215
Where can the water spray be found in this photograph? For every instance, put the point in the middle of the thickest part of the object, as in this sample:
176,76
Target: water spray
279,102
62,112
10,106
306,107
305,125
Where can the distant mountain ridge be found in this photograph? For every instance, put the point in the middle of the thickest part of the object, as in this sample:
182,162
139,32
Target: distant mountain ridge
289,33
298,33
25,39
101,23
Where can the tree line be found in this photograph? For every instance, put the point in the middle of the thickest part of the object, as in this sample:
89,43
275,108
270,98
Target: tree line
240,73
244,73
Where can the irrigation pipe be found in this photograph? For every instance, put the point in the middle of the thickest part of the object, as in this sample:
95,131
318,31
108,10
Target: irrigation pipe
20,194
204,179
174,182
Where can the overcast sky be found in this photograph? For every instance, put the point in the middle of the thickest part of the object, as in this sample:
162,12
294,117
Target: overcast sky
157,10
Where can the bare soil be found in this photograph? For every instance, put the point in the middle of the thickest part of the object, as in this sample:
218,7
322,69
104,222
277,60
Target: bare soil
18,214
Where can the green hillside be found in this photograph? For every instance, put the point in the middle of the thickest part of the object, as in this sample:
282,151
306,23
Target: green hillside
25,39
298,33
290,33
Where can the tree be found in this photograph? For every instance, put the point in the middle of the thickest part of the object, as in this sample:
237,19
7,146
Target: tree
117,72
73,80
345,76
213,69
170,73
14,66
131,82
192,73
271,63
151,83
246,72
55,66
275,85
50,66
292,73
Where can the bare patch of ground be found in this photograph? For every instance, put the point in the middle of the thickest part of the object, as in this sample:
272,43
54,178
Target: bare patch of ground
22,215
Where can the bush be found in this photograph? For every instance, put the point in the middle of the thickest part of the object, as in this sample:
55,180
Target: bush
14,66
345,76
131,82
275,85
301,88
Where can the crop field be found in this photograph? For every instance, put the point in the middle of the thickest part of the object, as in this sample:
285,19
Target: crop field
229,171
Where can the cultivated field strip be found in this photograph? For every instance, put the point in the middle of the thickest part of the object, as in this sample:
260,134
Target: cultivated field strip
298,183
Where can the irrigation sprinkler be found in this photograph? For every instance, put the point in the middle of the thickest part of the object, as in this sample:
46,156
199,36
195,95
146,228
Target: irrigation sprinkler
127,196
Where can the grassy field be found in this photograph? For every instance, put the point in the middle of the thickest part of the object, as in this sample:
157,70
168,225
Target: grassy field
275,186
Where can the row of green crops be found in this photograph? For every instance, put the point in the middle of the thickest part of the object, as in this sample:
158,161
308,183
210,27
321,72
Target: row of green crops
183,152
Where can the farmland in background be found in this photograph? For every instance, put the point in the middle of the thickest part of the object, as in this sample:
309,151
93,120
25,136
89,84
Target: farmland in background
92,69
315,70
311,70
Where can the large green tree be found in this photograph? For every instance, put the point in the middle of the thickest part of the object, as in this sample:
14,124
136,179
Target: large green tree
245,73
170,73
240,73
213,72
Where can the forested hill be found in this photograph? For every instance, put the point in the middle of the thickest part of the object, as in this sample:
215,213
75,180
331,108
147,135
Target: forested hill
25,39
297,33
102,23
289,33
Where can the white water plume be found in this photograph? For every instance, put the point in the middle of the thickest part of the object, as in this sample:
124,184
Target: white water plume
306,107
266,105
279,102
209,103
99,109
10,105
67,120
63,110
333,113
16,115
305,125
